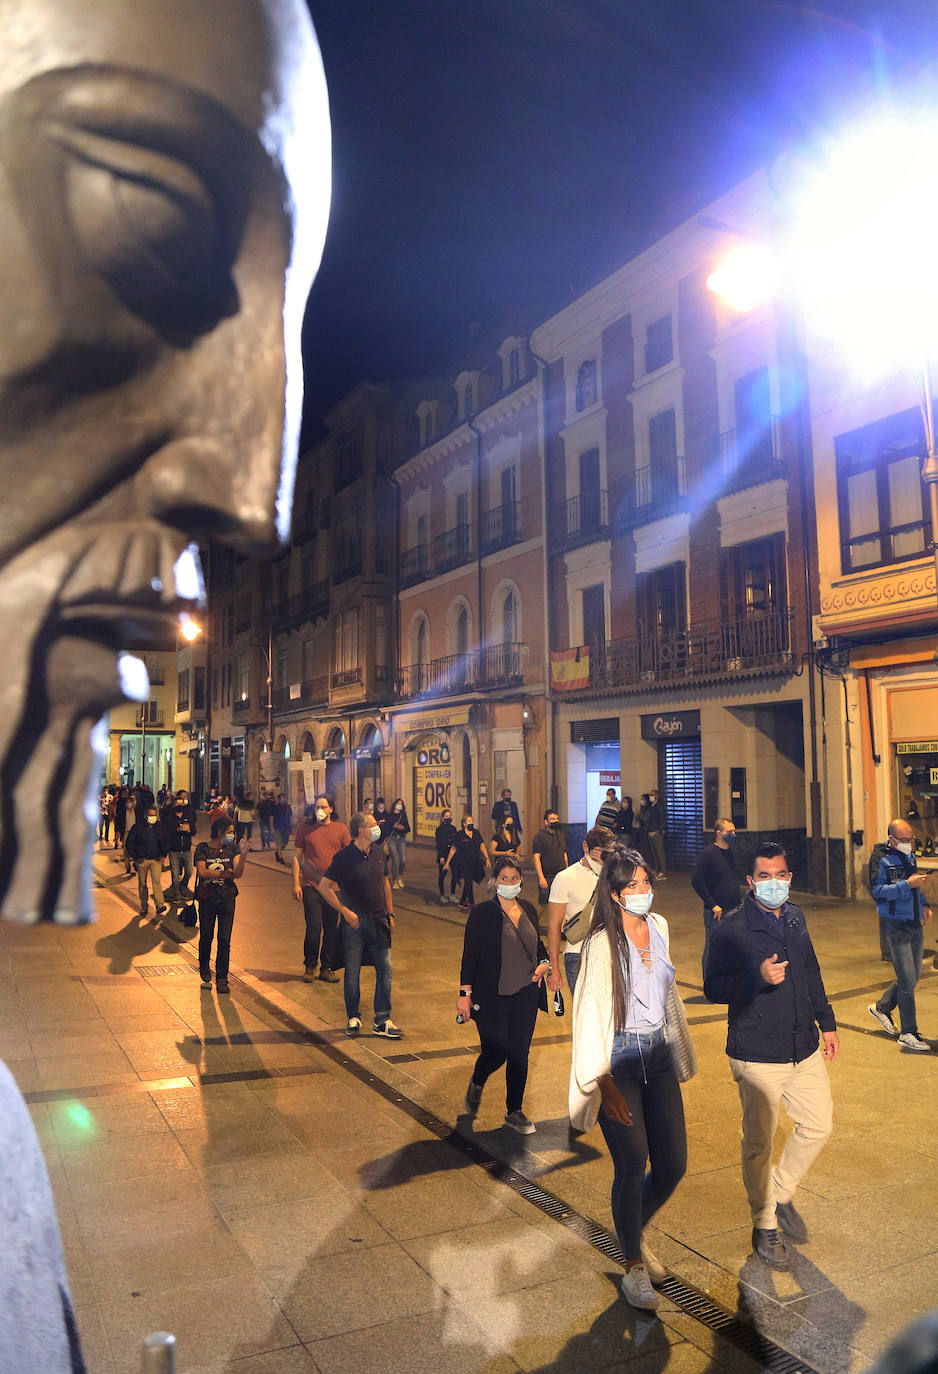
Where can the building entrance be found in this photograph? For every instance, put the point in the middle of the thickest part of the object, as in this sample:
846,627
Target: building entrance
680,783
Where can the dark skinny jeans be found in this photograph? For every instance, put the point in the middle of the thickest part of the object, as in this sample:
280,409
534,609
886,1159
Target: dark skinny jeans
657,1134
442,876
322,925
216,912
506,1039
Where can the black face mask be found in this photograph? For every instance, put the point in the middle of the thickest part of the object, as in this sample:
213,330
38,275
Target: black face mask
447,820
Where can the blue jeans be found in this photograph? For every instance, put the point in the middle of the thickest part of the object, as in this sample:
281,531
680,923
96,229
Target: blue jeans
905,942
397,849
571,964
368,937
657,1136
180,866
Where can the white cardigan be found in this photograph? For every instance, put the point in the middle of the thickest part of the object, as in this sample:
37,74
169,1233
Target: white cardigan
593,1028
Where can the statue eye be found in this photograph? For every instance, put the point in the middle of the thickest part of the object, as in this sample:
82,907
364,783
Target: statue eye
148,224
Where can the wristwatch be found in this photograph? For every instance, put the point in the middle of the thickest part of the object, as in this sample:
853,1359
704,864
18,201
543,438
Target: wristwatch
464,993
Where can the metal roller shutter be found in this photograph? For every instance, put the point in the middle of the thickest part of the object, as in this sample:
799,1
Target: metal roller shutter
681,785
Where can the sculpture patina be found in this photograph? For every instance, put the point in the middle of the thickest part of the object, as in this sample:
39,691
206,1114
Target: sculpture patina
164,193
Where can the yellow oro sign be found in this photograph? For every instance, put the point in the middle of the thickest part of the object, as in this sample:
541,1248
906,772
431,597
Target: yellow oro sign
433,787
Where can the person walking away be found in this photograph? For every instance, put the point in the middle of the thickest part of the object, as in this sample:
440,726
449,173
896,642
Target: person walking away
397,834
218,863
624,827
147,846
549,853
714,879
903,914
506,807
501,986
245,816
608,813
444,837
657,825
624,1066
360,873
120,816
505,841
283,824
179,820
570,892
265,816
763,965
471,859
318,840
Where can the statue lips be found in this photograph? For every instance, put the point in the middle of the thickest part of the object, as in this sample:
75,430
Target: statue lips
129,582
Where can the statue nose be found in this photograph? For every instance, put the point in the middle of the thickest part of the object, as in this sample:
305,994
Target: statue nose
195,486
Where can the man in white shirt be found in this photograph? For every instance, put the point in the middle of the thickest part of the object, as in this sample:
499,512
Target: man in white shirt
569,892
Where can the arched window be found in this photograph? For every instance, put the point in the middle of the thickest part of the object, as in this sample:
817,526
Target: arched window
462,632
509,618
421,639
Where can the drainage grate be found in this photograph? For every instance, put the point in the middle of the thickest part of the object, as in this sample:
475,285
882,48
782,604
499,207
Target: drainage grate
773,1358
166,970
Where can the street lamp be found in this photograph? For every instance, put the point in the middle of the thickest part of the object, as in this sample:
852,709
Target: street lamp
190,630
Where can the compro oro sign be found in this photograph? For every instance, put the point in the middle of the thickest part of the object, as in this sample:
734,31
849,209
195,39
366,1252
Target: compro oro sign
671,725
433,786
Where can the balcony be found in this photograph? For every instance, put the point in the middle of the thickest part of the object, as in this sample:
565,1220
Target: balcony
660,489
500,527
311,604
348,677
415,565
752,458
240,706
754,647
156,675
452,549
150,720
312,692
581,520
498,665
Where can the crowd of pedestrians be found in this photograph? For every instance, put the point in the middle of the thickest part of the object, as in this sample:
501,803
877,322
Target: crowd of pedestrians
631,1048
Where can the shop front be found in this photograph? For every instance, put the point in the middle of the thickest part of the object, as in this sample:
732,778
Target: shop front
676,737
436,761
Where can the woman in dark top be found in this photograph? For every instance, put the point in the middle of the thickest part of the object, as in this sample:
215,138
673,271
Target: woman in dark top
397,834
217,864
501,986
445,837
625,821
505,841
471,860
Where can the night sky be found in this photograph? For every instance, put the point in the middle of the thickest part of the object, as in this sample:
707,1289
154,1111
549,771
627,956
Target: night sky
513,152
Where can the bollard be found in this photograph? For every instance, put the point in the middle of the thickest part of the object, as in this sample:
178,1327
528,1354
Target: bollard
159,1353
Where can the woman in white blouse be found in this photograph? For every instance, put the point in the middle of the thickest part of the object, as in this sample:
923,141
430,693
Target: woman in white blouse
623,1066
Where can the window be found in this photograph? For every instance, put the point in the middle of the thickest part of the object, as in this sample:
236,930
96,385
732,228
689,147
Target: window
310,657
753,417
462,632
509,485
590,499
349,463
660,598
514,367
198,689
308,572
509,618
182,690
215,687
227,679
346,642
228,626
594,615
659,348
883,509
586,388
421,642
427,428
752,579
467,400
244,677
462,510
281,680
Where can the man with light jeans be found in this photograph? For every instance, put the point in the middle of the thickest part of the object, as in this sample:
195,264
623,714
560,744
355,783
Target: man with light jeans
570,891
762,963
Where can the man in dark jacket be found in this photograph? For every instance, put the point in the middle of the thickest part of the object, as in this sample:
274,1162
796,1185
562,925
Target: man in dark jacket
763,965
506,807
179,820
147,846
903,914
657,829
714,880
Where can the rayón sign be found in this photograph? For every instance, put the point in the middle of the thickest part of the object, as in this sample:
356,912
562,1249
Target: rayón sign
677,724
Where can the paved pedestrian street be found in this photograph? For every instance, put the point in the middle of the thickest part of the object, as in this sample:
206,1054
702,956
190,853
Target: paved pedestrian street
233,1170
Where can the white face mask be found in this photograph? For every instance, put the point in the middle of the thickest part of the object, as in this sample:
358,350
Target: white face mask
595,864
321,814
508,890
904,847
375,832
638,903
151,820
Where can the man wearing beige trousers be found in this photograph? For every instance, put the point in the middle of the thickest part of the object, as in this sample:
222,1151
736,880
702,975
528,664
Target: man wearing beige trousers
781,1034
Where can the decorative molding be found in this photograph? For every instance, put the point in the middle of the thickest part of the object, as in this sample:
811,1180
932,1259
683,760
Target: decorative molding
909,594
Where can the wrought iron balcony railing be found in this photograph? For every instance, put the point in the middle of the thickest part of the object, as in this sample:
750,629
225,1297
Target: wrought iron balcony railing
498,665
750,457
500,527
347,677
660,488
311,604
580,520
313,691
451,549
415,565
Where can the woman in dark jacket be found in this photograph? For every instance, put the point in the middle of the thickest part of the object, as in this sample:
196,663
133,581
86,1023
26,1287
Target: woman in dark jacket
625,822
397,834
446,835
501,986
469,860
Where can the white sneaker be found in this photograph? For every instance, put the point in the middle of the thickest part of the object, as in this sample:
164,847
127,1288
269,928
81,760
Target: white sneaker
517,1121
656,1270
884,1019
911,1041
637,1289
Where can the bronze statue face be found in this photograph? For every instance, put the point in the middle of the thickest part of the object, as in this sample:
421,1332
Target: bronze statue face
164,190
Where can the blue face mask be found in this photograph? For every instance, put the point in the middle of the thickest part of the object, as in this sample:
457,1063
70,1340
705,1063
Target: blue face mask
638,903
772,892
729,837
228,839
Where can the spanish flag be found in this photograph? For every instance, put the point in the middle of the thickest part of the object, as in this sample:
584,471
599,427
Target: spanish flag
570,668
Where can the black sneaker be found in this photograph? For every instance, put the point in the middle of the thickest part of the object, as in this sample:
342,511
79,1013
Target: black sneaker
473,1097
768,1246
206,975
221,985
387,1029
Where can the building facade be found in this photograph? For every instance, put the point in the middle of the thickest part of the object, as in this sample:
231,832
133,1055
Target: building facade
142,741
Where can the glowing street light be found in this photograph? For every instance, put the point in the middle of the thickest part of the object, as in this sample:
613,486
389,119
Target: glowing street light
189,628
749,276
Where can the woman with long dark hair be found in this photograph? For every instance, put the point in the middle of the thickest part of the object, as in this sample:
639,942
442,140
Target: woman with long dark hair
629,1043
501,986
397,834
218,862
